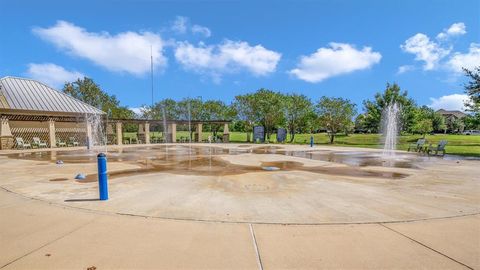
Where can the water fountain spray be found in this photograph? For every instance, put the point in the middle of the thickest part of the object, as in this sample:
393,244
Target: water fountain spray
189,122
95,131
390,128
165,135
189,135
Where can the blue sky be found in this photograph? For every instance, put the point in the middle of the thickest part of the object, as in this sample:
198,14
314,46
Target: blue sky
219,49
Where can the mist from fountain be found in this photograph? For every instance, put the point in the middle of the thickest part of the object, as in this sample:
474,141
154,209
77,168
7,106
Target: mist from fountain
189,135
390,128
189,123
165,132
97,140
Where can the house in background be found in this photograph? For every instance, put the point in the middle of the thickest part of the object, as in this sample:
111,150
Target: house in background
453,120
451,115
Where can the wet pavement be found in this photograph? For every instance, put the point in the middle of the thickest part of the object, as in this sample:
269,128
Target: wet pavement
207,161
251,183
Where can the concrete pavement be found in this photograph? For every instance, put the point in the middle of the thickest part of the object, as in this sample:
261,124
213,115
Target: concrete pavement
234,188
39,235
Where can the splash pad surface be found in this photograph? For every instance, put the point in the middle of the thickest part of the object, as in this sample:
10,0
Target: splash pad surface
229,183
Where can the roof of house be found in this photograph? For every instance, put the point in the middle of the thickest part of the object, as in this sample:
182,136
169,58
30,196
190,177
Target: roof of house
457,114
29,95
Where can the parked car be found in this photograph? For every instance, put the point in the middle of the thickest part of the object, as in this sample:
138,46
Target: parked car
471,132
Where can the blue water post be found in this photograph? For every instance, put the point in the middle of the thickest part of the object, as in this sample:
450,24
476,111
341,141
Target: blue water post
102,176
311,141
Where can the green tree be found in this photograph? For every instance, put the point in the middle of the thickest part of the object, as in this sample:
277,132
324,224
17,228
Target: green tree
335,114
191,108
360,124
268,109
308,122
472,88
217,110
238,126
243,105
165,106
456,126
472,121
423,126
438,122
391,94
297,109
89,92
427,120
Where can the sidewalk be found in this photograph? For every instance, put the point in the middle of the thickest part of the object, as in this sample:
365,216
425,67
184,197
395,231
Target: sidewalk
38,235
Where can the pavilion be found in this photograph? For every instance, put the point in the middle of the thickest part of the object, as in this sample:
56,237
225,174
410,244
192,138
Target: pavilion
29,109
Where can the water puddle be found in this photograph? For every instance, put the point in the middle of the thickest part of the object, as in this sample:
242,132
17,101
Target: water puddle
205,161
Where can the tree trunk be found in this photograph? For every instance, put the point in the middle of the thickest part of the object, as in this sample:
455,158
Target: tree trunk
248,136
332,138
291,131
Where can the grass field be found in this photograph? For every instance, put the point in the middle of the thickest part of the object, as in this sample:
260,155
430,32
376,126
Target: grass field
457,144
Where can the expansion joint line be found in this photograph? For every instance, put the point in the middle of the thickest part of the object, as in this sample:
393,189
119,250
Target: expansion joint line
255,246
422,244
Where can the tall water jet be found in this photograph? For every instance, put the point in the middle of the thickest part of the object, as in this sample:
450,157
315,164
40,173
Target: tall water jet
165,132
189,122
390,128
164,118
95,131
189,136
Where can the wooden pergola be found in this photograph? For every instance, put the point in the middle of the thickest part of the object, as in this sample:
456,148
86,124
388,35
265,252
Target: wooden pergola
52,121
171,128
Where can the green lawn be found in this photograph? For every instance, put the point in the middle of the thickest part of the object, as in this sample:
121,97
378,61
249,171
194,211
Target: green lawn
457,144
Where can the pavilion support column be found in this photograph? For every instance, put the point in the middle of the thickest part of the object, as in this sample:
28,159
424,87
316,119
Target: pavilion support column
6,137
119,133
140,133
110,134
89,134
226,133
52,140
199,132
147,132
173,132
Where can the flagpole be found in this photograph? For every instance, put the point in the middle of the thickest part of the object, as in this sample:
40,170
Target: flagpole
151,71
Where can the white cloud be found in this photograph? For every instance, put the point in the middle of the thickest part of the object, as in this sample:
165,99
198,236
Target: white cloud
339,58
137,110
425,50
450,102
202,30
124,52
439,54
405,68
455,29
180,25
51,74
227,57
465,60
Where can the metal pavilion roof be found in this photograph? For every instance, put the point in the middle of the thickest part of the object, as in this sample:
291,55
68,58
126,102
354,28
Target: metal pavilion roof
21,94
